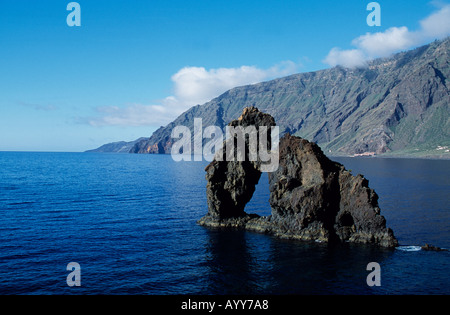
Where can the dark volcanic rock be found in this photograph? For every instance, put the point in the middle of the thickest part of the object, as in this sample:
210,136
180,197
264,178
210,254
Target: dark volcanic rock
429,247
312,197
231,184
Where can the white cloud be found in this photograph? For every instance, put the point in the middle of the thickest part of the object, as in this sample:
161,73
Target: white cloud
394,39
383,44
437,25
192,86
132,115
353,58
196,85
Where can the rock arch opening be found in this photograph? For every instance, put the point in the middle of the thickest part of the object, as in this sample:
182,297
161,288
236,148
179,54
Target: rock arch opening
259,203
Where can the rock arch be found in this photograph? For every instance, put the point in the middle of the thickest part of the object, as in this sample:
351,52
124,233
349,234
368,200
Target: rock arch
312,197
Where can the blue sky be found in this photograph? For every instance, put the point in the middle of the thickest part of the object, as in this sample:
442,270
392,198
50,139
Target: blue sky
134,65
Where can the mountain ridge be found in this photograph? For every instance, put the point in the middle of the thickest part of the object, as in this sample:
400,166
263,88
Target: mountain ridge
396,106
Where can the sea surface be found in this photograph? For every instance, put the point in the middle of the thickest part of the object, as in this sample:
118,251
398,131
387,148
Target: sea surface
129,221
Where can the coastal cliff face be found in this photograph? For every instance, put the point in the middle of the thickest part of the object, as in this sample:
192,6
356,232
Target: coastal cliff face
395,106
312,197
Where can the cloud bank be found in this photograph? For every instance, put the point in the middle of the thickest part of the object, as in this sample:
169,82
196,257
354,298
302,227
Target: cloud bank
394,39
192,86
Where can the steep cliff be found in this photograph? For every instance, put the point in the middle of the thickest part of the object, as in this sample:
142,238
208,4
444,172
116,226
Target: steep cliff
397,105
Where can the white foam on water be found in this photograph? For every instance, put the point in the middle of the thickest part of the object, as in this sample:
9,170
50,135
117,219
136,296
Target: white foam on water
409,248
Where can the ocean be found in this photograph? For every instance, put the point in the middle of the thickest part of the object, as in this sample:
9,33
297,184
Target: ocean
129,221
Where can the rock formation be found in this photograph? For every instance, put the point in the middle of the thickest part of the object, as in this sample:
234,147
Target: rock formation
312,197
231,184
428,247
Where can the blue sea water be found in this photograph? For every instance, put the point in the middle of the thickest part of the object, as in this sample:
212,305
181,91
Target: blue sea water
130,222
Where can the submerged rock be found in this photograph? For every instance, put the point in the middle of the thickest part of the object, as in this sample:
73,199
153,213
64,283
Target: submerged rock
429,247
312,198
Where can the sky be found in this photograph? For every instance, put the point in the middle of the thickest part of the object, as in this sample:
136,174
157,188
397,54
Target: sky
133,65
